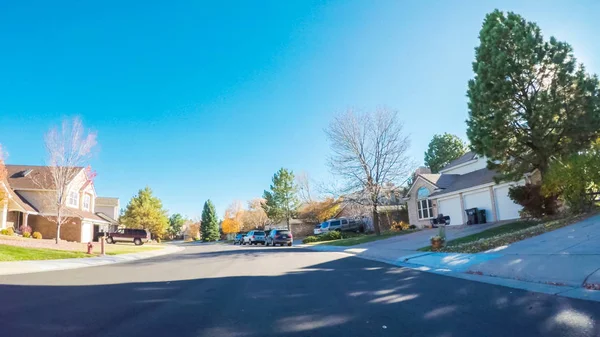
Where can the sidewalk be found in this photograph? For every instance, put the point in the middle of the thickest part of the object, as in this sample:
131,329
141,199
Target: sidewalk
565,262
24,267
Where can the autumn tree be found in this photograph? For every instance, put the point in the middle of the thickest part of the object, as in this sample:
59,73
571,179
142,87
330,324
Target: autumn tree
369,152
232,220
69,149
210,223
442,150
254,216
281,202
530,102
319,211
146,211
176,222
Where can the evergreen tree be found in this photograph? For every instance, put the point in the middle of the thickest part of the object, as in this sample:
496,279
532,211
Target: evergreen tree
282,201
530,102
210,223
442,150
145,211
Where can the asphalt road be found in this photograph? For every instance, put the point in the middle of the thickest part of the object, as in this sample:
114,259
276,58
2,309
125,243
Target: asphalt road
217,290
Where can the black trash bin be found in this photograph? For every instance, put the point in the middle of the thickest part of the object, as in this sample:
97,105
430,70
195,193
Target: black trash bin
471,216
481,216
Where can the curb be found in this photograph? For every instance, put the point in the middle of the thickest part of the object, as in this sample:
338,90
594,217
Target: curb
26,267
565,291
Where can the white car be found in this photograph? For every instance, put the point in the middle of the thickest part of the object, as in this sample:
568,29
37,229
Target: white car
317,229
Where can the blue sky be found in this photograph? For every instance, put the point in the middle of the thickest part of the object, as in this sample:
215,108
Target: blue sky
206,100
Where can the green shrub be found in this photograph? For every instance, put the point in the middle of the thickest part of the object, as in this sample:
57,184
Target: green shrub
26,234
333,235
310,239
534,203
37,235
3,231
346,235
158,240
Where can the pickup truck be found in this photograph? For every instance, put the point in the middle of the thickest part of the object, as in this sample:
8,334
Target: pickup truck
341,225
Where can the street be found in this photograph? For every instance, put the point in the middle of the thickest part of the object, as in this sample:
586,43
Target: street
220,290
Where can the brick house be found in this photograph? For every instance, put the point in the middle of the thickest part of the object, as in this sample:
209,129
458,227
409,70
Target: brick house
28,202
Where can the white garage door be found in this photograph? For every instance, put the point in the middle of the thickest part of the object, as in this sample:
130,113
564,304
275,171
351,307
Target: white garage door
86,232
507,209
480,200
451,207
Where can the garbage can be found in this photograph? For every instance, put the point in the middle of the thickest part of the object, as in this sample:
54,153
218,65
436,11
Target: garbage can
471,216
481,216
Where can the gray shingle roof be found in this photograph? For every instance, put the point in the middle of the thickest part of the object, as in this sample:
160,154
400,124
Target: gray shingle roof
455,182
460,160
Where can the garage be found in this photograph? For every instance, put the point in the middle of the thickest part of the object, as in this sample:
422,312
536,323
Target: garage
507,209
481,199
451,207
86,232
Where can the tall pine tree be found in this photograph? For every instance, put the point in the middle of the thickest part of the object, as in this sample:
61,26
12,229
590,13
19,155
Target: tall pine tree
530,102
282,201
210,223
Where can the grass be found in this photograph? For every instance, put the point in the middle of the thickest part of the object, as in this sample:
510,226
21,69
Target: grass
504,229
13,253
357,240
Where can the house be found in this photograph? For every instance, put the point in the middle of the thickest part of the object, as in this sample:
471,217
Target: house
107,209
462,184
29,203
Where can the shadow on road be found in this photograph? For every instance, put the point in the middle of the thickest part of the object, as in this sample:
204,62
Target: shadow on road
342,297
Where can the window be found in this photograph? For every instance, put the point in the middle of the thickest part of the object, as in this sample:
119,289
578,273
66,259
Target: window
86,202
425,209
73,200
424,206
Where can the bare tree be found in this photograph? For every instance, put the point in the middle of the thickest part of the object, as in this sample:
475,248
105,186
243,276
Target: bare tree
3,174
69,150
255,216
305,191
369,151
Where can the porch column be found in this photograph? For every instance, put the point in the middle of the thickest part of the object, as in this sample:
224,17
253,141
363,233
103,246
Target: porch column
25,217
462,209
493,198
4,214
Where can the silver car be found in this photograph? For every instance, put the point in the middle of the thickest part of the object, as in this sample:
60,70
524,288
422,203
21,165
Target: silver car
254,238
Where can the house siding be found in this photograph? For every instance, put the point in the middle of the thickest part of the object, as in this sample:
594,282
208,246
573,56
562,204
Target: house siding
413,213
69,231
478,164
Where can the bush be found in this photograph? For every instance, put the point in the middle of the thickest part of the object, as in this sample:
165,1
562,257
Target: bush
534,203
158,240
37,235
25,229
333,235
412,227
8,231
310,239
26,234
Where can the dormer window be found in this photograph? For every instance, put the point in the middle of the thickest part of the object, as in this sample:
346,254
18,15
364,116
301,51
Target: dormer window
73,200
86,202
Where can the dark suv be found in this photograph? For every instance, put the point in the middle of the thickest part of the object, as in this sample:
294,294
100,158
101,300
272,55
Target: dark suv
137,236
279,237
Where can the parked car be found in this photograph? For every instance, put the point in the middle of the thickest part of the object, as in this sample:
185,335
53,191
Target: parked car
137,236
317,229
239,238
254,238
342,225
279,237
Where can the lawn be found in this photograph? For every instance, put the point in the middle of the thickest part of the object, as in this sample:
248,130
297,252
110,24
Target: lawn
504,229
13,253
357,240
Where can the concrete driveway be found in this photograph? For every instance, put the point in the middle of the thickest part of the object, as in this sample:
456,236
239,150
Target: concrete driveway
414,241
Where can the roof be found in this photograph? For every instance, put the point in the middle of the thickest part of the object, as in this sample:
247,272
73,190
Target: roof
18,199
461,160
40,177
84,215
107,201
456,182
107,218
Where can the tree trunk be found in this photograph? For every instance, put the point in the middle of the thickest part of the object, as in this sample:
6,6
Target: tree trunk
57,232
288,224
376,220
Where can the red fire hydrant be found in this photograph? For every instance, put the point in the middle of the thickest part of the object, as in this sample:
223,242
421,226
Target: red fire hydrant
90,247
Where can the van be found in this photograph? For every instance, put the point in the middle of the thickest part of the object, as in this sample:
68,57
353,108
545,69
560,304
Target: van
341,225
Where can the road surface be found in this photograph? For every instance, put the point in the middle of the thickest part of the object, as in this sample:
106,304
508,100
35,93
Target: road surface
218,290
